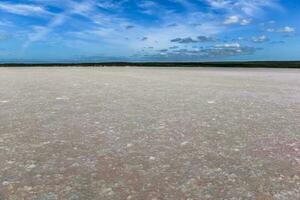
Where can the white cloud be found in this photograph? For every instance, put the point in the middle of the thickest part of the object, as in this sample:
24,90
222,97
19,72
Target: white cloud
235,19
217,51
232,20
244,7
106,5
80,8
41,32
23,9
220,4
110,4
147,4
228,45
245,22
107,29
287,29
270,30
149,7
260,39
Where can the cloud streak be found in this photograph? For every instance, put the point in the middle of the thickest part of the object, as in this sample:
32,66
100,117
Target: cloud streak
199,39
23,9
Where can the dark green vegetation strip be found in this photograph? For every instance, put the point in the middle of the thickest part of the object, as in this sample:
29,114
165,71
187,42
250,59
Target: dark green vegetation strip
258,64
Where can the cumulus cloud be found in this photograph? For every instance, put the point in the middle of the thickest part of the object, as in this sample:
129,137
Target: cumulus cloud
235,19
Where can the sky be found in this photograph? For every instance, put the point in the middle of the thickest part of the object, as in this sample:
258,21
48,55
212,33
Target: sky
148,30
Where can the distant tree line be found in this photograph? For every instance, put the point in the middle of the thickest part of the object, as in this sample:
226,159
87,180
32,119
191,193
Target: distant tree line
252,64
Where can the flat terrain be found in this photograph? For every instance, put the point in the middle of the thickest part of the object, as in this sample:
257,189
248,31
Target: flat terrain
149,134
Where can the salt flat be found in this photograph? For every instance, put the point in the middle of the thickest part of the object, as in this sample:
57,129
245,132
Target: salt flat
149,133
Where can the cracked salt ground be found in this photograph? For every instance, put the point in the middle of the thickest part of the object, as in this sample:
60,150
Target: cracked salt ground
149,133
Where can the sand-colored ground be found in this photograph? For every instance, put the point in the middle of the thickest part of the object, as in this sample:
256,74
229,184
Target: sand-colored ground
149,134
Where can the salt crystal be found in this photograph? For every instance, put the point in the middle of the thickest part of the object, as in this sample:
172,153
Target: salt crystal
28,188
151,158
10,162
62,98
5,183
184,143
31,166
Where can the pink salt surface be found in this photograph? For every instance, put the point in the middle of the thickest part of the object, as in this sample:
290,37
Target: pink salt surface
149,134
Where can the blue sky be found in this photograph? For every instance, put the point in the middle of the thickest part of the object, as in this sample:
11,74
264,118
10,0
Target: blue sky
148,30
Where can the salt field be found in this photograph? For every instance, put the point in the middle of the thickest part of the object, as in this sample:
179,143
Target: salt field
117,133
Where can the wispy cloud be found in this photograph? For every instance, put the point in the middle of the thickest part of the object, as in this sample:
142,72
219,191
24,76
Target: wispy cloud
245,7
41,32
218,51
199,39
260,39
23,9
184,40
234,19
287,29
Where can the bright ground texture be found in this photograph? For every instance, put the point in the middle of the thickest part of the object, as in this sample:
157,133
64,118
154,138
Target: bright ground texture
149,133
